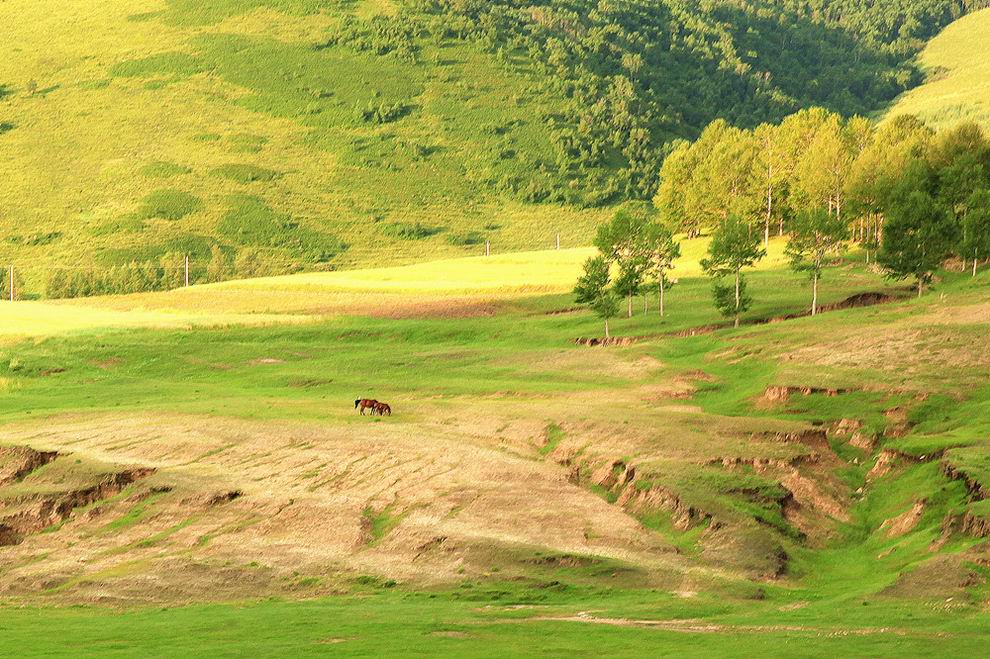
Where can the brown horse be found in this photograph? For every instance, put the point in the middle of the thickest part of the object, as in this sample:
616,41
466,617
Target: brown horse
383,409
366,404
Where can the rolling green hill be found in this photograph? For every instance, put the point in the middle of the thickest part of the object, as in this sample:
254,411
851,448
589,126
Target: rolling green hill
958,85
323,134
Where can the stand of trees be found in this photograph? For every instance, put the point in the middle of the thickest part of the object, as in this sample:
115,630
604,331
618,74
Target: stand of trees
909,196
639,250
5,281
628,78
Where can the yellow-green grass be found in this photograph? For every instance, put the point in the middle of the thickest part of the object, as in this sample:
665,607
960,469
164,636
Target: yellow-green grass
72,196
39,319
435,287
959,75
545,271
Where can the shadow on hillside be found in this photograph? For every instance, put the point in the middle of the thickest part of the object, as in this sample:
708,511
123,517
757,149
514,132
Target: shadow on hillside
798,62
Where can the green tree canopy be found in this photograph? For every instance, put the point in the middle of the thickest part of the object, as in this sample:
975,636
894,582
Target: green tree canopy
816,236
734,246
593,289
660,250
976,227
919,234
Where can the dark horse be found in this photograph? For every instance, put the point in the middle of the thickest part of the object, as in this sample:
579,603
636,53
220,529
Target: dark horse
383,409
366,404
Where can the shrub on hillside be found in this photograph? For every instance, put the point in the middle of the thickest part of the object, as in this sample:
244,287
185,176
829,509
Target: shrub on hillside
168,205
466,238
383,113
250,222
163,169
243,173
409,231
251,262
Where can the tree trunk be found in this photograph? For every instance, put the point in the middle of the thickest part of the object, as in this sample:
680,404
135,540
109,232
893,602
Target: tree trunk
629,300
662,281
737,299
921,285
766,226
814,294
606,328
975,259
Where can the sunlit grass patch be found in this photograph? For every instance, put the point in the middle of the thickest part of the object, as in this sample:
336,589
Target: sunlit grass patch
40,319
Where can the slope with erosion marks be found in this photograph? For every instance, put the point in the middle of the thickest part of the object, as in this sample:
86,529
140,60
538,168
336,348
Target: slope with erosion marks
454,489
901,391
410,503
513,453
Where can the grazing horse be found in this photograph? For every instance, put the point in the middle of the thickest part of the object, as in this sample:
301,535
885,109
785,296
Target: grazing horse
383,409
366,404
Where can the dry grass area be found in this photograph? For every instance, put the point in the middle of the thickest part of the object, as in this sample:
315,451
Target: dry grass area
229,508
249,503
914,346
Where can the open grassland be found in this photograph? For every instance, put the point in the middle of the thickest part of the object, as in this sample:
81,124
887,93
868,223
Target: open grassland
454,287
958,85
792,487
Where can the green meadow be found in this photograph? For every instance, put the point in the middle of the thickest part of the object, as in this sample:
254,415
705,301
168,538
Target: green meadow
853,589
184,469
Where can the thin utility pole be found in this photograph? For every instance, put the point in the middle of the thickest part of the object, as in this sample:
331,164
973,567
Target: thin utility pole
187,270
488,248
11,283
558,241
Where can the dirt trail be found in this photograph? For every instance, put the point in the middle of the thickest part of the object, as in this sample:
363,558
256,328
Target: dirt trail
696,626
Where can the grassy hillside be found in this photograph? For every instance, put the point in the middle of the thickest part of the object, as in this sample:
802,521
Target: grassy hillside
333,134
958,71
791,487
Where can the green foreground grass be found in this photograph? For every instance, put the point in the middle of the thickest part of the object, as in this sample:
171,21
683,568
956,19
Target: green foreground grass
502,620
